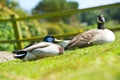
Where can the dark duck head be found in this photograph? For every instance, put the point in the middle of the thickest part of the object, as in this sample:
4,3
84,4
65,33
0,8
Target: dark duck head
49,38
100,22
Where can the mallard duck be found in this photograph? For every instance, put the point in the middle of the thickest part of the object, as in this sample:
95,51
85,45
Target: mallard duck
93,36
39,50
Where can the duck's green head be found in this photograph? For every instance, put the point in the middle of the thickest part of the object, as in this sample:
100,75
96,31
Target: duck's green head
49,38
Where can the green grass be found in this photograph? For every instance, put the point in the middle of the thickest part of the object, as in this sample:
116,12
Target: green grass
100,62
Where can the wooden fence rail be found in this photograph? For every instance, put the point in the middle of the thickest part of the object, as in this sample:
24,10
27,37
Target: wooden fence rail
18,37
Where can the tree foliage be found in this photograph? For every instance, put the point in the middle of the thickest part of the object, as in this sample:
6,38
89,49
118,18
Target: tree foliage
46,6
110,14
10,3
114,13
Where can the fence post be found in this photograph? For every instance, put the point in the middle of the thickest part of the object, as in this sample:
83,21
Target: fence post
17,32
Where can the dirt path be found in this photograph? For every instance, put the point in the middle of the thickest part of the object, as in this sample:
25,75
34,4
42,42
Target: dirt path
5,56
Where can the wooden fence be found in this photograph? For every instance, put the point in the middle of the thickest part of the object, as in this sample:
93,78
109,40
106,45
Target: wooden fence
18,37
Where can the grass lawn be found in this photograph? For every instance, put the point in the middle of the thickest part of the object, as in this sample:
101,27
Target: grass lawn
100,62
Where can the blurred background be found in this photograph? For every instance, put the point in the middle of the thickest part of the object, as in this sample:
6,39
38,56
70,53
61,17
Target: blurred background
54,25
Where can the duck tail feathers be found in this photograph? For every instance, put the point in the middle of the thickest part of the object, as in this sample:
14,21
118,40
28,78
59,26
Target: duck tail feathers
19,54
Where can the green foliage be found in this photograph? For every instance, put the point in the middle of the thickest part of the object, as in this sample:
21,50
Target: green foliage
6,33
100,62
34,29
112,24
53,28
55,5
113,13
28,28
89,17
109,14
3,2
67,28
58,28
12,4
46,6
